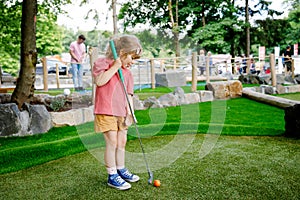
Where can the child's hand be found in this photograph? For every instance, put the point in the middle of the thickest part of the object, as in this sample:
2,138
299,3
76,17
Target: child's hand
118,63
128,120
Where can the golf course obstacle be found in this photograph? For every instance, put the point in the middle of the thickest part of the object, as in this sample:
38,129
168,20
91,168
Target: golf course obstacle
291,109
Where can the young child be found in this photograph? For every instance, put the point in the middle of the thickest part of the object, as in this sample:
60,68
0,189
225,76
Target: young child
112,113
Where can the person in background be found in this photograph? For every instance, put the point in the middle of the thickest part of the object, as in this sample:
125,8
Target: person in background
288,58
201,62
112,111
77,51
210,62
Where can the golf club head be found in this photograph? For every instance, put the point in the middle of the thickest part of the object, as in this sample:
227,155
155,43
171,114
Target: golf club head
150,180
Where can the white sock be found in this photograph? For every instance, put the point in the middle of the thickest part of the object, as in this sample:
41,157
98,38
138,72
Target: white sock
111,170
121,167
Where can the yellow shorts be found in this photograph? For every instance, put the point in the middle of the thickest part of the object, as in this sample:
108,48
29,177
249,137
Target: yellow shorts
104,123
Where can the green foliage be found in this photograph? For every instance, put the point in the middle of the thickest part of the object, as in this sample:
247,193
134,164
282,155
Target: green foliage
215,25
293,33
48,34
57,104
10,39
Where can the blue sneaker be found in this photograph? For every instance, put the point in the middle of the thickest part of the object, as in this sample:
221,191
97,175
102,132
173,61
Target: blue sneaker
117,182
126,175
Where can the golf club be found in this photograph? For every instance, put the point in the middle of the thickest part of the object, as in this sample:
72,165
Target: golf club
113,49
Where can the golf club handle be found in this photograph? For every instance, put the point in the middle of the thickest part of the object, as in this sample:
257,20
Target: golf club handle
115,55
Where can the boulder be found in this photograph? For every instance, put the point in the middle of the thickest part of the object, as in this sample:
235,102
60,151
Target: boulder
280,89
73,117
39,119
297,78
33,119
179,94
205,95
167,100
225,89
137,103
170,79
289,79
254,79
152,102
10,123
191,98
5,98
292,88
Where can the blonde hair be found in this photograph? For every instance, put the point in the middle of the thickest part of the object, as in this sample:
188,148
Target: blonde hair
128,44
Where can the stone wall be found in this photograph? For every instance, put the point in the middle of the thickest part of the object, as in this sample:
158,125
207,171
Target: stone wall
33,119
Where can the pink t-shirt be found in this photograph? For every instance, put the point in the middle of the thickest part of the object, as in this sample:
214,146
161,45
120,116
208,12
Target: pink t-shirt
110,98
78,49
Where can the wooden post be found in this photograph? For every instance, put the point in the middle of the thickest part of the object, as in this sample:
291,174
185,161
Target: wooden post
207,69
152,74
161,65
174,67
93,53
194,72
248,65
45,74
273,71
293,68
57,76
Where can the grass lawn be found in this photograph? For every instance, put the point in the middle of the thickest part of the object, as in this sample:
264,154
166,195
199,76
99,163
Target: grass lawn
240,117
236,168
231,149
291,96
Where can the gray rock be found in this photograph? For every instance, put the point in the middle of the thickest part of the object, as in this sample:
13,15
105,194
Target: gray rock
137,103
167,100
32,120
269,90
205,95
10,123
5,98
289,79
25,120
179,94
152,102
297,78
191,98
73,117
170,78
40,119
279,79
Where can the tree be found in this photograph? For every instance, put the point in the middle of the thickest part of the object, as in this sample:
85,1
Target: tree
25,83
159,14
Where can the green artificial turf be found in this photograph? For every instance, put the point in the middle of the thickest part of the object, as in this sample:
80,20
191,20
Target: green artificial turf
235,167
240,117
291,96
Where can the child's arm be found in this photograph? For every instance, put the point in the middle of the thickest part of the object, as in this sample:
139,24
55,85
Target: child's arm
105,76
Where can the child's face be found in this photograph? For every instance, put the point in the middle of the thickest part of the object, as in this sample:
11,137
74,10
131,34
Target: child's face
127,60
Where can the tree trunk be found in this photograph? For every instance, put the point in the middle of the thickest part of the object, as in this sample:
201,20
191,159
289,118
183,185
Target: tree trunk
203,14
175,28
247,29
177,44
114,16
24,90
